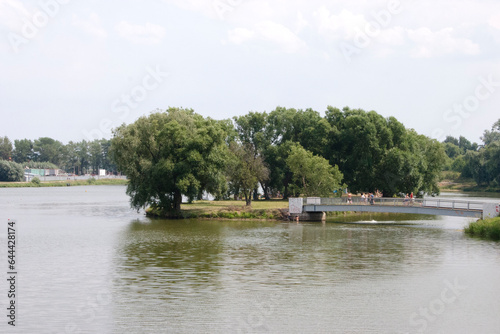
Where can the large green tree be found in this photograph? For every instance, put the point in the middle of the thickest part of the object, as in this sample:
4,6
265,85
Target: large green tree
375,152
48,150
23,150
11,171
313,175
5,148
169,154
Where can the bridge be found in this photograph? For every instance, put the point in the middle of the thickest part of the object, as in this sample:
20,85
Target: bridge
309,208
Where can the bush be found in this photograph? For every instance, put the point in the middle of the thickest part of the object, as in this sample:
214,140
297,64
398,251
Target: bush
92,180
36,181
11,171
488,228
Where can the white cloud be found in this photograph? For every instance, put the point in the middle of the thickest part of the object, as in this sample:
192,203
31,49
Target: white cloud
141,34
429,43
240,35
280,35
91,26
343,26
268,31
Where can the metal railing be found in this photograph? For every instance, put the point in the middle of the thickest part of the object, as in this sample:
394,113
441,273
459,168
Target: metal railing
388,201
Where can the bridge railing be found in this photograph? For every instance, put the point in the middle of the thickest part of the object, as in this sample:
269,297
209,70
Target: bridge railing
389,201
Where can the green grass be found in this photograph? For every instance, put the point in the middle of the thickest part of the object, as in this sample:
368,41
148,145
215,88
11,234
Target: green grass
487,229
227,210
63,183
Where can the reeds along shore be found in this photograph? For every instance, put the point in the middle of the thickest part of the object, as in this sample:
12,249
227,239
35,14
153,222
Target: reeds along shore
487,228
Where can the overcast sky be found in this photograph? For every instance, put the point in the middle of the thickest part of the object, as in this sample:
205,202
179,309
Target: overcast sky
71,70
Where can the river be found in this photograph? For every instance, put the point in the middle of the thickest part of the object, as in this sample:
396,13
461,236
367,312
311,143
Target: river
87,263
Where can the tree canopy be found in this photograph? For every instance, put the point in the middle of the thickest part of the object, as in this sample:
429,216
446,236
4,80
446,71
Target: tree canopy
313,175
169,154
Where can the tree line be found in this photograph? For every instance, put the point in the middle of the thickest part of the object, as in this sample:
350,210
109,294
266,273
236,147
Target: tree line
480,162
285,152
75,157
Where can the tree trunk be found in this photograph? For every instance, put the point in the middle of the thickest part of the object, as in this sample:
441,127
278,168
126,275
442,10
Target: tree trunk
248,197
177,201
266,191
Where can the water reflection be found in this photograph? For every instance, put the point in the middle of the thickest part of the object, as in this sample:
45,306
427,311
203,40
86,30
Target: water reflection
177,269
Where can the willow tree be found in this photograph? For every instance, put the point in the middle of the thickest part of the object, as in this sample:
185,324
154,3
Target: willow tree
170,154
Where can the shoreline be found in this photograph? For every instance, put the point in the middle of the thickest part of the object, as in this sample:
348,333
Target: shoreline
64,183
486,229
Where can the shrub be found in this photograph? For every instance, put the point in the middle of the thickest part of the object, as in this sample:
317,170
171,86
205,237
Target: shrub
36,181
92,180
488,228
11,171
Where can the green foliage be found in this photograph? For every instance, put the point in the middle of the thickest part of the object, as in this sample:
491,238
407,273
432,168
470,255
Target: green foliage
488,229
91,180
48,149
375,152
11,171
39,165
5,148
23,150
245,168
170,154
313,175
36,181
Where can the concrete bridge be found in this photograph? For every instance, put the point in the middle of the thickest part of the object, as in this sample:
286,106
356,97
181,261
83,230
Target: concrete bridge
313,208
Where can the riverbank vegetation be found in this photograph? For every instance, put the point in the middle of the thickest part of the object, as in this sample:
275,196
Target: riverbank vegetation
226,209
487,229
35,182
471,166
287,152
78,158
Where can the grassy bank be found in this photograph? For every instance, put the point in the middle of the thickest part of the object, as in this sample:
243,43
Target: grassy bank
452,181
487,229
65,183
226,210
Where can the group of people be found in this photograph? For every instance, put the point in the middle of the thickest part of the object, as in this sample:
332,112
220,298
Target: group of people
408,199
365,197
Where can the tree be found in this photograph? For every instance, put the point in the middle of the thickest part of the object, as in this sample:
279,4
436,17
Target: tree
5,148
375,152
169,154
23,150
11,171
95,155
314,176
245,169
48,149
493,135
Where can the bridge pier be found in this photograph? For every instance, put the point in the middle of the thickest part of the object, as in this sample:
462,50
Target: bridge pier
310,216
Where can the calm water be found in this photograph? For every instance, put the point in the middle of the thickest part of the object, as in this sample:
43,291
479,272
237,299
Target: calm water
89,264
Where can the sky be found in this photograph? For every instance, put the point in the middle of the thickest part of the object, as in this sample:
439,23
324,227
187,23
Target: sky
73,70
